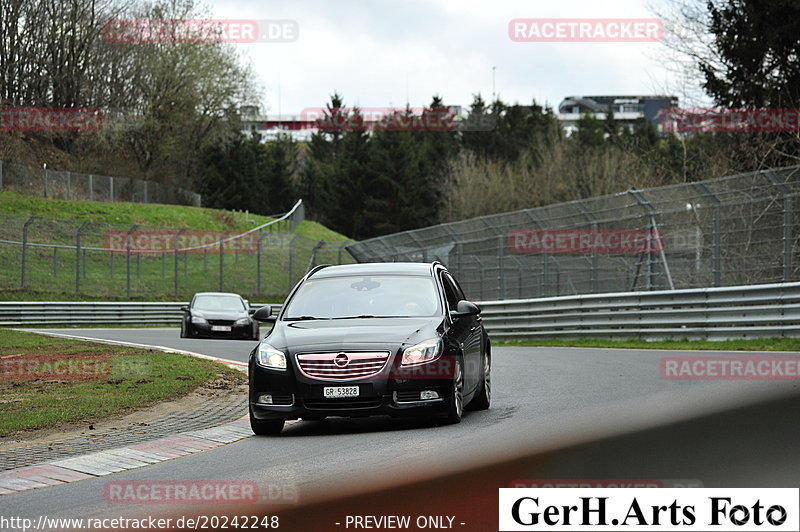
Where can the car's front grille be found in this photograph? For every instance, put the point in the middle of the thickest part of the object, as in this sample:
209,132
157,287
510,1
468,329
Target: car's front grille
220,322
341,366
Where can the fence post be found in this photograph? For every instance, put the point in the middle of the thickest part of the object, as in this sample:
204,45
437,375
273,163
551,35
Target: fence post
716,264
55,262
593,224
342,248
45,180
787,224
91,188
291,259
128,260
25,250
651,214
145,191
111,188
258,263
175,272
69,185
222,262
78,257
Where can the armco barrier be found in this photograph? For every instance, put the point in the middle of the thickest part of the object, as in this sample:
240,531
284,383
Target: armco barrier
754,311
64,313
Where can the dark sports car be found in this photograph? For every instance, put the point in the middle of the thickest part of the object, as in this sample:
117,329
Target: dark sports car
367,339
219,315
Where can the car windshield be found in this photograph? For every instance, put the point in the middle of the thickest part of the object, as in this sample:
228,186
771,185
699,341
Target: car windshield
223,303
361,297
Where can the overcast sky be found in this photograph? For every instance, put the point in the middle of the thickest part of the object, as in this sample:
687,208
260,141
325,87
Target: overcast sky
378,53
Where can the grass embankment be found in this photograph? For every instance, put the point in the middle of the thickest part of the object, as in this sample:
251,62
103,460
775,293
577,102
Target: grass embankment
51,275
52,382
755,344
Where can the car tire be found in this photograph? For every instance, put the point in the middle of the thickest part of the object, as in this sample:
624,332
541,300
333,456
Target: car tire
269,427
184,329
456,408
484,397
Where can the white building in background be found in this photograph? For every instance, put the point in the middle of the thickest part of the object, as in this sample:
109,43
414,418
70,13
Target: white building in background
628,111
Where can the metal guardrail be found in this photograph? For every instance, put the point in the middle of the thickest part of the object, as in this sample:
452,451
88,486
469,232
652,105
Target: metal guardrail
753,311
66,313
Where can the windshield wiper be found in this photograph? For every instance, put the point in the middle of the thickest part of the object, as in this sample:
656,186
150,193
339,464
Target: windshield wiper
304,318
359,317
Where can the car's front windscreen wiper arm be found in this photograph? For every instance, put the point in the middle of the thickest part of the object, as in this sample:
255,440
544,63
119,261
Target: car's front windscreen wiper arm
303,318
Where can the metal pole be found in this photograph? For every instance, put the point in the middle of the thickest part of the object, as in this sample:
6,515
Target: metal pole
128,260
222,263
78,257
716,262
84,264
69,185
593,224
111,189
787,224
91,187
175,260
258,263
25,250
291,259
55,262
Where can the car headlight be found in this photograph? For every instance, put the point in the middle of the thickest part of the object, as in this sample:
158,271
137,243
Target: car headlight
242,321
269,357
422,352
197,320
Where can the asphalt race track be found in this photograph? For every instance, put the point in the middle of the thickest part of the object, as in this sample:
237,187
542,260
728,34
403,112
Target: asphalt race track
544,399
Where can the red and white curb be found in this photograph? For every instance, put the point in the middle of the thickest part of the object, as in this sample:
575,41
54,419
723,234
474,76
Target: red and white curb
133,456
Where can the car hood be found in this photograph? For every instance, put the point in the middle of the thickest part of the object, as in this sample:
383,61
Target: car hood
341,334
219,315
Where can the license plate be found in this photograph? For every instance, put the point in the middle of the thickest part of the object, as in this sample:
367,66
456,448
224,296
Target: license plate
340,391
221,328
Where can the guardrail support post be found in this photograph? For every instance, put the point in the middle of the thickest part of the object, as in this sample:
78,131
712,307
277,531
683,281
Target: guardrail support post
91,188
78,257
25,250
716,264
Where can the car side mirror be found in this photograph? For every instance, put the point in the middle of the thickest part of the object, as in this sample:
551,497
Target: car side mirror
465,308
185,308
251,311
264,314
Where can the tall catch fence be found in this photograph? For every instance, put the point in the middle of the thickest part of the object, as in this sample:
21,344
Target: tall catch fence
136,261
90,187
737,230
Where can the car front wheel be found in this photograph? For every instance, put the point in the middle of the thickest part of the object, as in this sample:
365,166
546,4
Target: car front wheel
484,397
456,409
269,427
